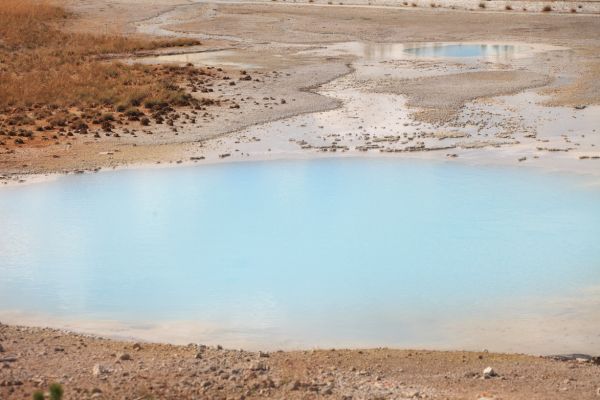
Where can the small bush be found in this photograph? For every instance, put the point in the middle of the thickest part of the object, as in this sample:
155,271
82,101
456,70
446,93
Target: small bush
481,5
38,395
508,7
547,9
573,10
107,117
133,112
56,391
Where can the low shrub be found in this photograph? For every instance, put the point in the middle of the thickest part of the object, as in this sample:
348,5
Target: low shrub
56,391
38,395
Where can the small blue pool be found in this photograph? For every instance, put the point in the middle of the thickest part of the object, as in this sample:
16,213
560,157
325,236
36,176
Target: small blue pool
462,50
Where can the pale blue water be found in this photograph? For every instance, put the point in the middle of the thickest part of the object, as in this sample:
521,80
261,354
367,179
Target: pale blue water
462,50
298,253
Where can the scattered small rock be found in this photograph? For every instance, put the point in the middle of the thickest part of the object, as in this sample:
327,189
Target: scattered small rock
489,373
571,357
258,366
295,385
99,370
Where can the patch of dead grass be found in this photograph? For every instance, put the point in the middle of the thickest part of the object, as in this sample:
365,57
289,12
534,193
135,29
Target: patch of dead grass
46,71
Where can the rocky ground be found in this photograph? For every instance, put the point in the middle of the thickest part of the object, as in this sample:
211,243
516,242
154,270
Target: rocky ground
96,368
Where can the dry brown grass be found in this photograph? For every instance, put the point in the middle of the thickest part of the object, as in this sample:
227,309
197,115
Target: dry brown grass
40,63
55,84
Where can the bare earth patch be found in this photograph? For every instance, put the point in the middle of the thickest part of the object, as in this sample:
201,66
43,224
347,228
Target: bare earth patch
440,97
585,90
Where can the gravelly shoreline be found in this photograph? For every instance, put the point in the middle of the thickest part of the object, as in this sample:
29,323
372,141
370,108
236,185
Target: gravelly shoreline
91,367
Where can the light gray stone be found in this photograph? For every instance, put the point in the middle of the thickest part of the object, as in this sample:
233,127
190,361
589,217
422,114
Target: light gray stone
489,373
